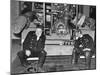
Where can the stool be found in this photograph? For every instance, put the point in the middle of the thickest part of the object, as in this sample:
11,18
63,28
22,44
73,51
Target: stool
32,60
87,60
33,67
81,56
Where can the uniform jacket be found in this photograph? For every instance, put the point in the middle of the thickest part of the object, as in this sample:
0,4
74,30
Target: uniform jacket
32,44
86,41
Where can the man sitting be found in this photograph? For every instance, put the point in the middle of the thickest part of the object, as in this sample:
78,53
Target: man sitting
83,45
33,46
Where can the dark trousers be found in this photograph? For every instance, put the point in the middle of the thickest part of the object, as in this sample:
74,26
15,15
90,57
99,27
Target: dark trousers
76,54
40,54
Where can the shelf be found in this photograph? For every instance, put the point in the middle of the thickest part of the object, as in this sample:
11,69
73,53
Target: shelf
48,13
38,5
